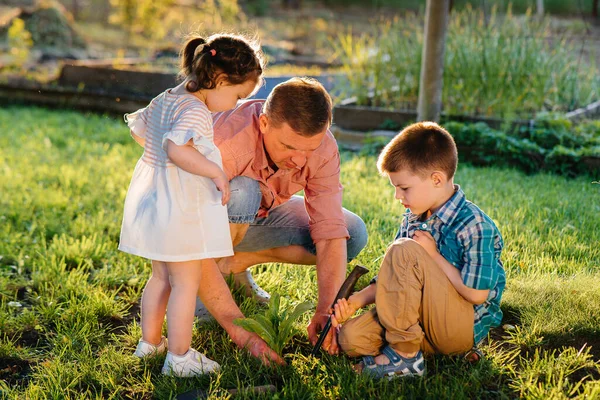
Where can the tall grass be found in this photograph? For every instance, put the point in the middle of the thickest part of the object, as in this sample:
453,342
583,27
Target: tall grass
495,65
579,7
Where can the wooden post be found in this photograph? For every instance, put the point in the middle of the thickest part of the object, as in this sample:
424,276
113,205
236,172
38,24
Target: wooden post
540,8
432,65
75,9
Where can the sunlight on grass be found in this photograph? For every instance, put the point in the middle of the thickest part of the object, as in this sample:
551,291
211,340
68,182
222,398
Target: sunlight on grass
63,179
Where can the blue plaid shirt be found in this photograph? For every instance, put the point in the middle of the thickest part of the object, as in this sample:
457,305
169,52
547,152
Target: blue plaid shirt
469,240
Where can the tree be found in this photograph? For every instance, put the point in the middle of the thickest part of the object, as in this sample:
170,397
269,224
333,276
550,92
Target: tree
142,16
540,8
432,65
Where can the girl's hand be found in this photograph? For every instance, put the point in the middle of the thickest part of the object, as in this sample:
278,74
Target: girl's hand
222,184
342,311
425,239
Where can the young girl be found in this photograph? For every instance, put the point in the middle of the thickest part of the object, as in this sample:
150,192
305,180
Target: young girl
175,211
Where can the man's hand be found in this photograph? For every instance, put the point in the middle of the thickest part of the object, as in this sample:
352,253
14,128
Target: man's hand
259,349
427,241
342,311
317,323
222,184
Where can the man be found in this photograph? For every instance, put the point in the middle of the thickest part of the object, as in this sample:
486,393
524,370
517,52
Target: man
272,150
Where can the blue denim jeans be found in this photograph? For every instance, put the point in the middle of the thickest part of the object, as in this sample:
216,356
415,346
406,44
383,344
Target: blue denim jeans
286,224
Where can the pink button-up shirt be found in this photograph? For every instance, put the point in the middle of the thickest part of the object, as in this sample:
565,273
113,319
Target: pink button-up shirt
238,136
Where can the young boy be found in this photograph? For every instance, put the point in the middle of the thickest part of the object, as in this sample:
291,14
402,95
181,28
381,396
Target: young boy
440,282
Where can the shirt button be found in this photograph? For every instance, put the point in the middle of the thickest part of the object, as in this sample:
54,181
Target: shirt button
424,226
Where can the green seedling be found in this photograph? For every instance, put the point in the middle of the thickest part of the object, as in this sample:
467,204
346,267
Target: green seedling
276,325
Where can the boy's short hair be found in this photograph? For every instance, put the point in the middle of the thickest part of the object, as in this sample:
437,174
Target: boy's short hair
302,103
420,148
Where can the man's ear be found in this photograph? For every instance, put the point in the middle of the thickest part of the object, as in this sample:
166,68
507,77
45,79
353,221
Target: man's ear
263,122
438,178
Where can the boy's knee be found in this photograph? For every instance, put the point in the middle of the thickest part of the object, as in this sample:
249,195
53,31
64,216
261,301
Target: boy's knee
403,253
347,339
405,247
244,201
358,235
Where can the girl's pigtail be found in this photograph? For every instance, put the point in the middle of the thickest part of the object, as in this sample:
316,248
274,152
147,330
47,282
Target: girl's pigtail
189,51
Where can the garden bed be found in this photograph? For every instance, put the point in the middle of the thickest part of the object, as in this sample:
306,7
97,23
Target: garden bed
113,86
349,115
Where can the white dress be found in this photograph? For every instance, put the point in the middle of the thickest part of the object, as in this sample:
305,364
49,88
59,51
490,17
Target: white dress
172,215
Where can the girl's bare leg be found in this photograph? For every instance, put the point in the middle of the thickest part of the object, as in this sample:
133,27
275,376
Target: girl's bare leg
185,280
154,303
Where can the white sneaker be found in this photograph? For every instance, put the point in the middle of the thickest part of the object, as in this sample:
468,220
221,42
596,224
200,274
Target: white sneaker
145,349
250,287
192,363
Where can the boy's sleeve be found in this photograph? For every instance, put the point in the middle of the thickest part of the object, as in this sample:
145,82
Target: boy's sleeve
479,257
192,123
136,122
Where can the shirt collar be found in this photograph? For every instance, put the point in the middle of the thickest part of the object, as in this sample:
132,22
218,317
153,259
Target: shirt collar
260,159
447,212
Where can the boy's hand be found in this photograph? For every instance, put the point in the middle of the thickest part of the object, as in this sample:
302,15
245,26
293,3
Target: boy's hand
342,311
222,184
425,239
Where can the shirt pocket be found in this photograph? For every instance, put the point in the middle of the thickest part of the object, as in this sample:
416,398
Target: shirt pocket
452,251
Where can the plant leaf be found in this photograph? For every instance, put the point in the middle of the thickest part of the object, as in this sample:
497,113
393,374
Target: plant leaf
286,328
252,325
273,312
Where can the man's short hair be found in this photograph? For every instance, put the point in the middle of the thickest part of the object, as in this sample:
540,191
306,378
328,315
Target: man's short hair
420,148
302,103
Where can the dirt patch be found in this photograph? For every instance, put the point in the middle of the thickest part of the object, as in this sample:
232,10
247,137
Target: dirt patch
119,324
14,370
591,341
28,338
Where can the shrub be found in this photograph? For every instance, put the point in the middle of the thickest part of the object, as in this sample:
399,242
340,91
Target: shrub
19,42
552,145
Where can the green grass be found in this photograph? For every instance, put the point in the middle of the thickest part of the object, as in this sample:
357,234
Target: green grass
63,179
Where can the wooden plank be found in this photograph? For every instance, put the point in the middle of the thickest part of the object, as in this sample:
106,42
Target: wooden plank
589,111
115,80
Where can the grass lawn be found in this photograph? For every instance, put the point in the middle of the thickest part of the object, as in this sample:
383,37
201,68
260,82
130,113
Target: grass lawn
69,299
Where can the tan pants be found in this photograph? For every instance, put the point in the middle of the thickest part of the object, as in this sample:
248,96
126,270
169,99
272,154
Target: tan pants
416,307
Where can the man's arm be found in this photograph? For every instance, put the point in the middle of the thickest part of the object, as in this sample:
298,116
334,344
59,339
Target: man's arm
216,296
323,200
331,272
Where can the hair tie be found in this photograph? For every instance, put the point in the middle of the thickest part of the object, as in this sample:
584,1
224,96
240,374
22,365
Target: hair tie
213,52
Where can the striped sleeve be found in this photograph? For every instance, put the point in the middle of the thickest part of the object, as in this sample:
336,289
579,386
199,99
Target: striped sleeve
479,269
137,122
194,123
